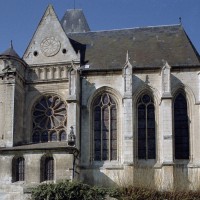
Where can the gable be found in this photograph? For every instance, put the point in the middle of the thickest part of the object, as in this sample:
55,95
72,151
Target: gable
49,43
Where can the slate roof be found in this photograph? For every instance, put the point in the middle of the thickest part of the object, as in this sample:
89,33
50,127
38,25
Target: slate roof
10,52
40,146
147,47
74,21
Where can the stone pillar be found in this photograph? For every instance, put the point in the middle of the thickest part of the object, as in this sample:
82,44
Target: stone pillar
198,86
11,84
74,103
166,80
9,110
127,129
166,139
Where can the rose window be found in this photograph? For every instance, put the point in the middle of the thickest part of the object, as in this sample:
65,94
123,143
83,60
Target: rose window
49,119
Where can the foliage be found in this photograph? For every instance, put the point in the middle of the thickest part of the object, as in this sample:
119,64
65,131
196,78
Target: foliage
71,191
68,190
139,193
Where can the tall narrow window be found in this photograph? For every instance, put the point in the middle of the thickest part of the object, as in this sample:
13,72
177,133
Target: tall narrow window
53,136
146,128
181,128
63,136
105,128
47,168
18,169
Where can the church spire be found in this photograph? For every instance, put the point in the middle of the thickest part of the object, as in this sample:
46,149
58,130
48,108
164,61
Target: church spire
10,51
11,44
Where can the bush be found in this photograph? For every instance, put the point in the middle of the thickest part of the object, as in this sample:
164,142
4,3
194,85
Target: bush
68,190
71,191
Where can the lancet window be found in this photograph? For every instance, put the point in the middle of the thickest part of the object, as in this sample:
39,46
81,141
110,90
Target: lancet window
181,127
18,169
47,168
105,127
146,128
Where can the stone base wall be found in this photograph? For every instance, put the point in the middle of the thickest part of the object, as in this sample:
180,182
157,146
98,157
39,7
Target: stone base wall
167,177
12,192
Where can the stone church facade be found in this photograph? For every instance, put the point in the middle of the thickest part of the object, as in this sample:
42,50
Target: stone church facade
99,106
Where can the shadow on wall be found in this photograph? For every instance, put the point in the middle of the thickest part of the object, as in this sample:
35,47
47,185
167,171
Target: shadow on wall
181,181
175,82
99,177
138,176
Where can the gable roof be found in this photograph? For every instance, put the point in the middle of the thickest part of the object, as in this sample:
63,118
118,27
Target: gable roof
49,41
147,47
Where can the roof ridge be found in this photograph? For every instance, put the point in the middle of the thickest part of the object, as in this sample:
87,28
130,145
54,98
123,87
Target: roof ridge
121,29
74,9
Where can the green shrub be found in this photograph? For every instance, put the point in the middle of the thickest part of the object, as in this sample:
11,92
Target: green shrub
71,191
68,190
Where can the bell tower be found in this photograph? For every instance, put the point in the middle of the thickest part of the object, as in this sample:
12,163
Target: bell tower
12,70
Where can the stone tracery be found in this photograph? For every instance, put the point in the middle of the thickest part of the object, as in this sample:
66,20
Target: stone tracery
49,118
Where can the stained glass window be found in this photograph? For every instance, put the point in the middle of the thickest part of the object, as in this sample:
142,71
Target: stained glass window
63,136
36,137
53,136
181,128
105,128
146,128
49,118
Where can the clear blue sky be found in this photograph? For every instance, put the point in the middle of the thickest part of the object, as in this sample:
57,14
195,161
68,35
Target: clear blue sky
19,18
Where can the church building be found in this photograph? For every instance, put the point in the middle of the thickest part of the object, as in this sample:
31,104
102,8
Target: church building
102,107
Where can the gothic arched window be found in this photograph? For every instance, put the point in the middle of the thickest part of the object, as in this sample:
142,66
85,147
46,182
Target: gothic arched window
18,169
181,128
36,137
63,136
49,118
146,128
44,137
47,168
105,128
53,136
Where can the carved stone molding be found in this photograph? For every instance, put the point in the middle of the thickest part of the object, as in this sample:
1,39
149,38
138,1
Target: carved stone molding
166,80
128,77
45,73
50,46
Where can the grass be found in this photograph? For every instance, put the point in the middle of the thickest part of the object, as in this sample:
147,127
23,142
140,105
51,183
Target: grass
142,186
139,193
147,184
